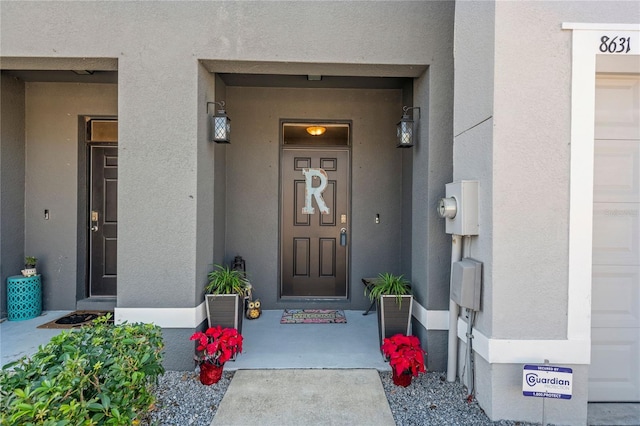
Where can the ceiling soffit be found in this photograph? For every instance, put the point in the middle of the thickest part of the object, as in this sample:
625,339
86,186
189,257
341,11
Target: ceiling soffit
233,73
295,74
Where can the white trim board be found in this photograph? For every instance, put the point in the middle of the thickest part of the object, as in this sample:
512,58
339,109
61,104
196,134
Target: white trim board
508,351
586,40
600,27
163,317
512,351
430,320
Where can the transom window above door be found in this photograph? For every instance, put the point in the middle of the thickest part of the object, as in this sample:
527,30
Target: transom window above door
316,133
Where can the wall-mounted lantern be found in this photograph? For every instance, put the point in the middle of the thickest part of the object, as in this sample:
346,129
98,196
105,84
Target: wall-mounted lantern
406,128
220,124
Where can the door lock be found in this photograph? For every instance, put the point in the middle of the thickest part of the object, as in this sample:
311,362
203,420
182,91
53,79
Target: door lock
343,236
94,221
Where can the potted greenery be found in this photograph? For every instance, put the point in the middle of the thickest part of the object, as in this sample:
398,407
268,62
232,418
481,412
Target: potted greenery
406,358
225,297
392,294
216,346
29,266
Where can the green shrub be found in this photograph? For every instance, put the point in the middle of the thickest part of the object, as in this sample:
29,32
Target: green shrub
95,375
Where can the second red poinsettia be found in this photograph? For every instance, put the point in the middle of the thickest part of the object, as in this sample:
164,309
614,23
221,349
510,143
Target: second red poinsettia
217,345
405,354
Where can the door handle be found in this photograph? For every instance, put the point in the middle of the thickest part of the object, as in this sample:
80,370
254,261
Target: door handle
94,221
343,236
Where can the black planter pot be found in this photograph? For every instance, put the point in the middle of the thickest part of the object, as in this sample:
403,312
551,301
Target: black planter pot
225,310
393,317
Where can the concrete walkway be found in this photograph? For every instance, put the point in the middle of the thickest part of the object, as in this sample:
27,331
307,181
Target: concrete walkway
298,397
607,414
22,338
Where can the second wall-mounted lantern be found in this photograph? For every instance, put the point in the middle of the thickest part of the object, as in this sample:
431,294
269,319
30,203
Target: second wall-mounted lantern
220,124
406,128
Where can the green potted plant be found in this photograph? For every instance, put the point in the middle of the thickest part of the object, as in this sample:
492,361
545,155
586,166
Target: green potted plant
392,294
225,297
29,266
406,357
216,346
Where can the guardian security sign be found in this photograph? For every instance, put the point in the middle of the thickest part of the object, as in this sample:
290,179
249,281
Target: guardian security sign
547,381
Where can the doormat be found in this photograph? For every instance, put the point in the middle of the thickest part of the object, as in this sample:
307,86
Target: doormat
76,319
313,316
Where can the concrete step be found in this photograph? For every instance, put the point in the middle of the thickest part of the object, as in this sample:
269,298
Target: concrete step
96,304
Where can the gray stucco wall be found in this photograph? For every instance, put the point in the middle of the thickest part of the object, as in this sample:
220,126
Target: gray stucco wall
473,126
220,190
163,151
158,186
541,103
51,171
158,139
12,164
207,181
431,169
512,132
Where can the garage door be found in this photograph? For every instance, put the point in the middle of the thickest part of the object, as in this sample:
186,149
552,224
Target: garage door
614,374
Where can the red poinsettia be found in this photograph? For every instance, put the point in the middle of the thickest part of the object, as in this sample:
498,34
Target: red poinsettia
217,345
405,354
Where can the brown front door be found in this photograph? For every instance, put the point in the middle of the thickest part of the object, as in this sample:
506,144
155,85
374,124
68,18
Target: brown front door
103,211
315,223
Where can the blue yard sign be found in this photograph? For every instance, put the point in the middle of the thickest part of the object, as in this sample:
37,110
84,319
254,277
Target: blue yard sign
547,381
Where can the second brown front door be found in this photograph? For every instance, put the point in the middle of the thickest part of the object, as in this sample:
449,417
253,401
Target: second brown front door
104,221
315,223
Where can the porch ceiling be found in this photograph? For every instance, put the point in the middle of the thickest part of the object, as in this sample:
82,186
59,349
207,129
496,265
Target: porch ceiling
295,74
301,81
313,68
63,76
233,73
37,63
65,70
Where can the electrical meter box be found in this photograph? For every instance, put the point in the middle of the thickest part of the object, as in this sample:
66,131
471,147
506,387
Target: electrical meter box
466,282
460,207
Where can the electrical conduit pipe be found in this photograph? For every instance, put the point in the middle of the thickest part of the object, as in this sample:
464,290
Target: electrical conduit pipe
452,355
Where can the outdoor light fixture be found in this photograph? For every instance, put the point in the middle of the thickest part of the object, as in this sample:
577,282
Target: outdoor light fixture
220,124
316,130
406,128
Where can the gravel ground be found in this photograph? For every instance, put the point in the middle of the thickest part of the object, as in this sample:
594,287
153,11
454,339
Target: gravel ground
430,399
182,400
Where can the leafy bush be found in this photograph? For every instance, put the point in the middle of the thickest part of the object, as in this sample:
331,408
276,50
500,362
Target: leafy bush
100,374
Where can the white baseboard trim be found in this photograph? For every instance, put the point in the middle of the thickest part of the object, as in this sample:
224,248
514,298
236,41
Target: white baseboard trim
163,317
430,320
509,351
512,351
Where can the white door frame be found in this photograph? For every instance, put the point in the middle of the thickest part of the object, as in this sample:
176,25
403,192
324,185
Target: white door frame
587,45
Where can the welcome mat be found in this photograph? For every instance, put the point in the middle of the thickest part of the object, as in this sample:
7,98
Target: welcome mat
75,319
313,316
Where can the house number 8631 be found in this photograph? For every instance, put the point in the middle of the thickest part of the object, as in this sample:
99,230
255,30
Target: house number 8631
615,45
